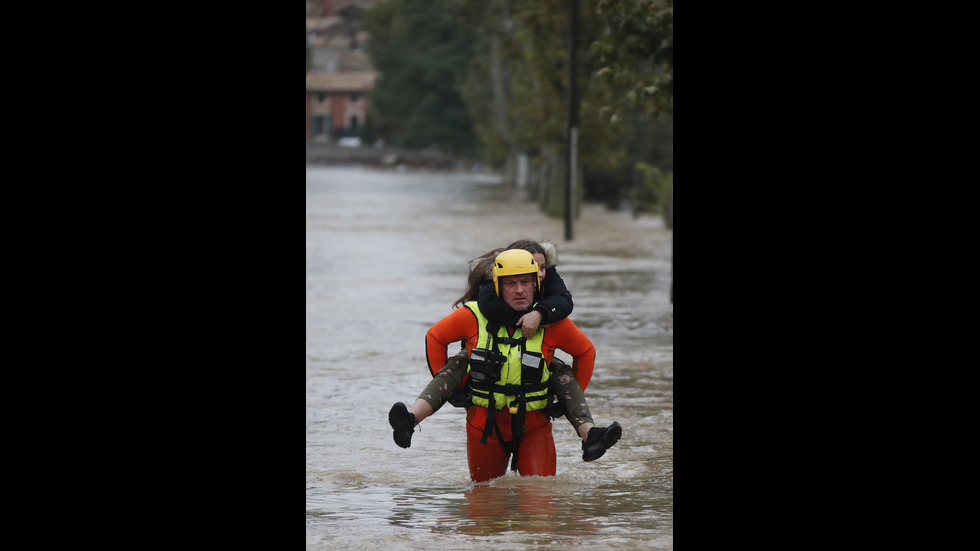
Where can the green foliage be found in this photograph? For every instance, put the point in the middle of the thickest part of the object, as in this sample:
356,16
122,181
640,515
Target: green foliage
635,53
630,58
421,57
653,192
494,74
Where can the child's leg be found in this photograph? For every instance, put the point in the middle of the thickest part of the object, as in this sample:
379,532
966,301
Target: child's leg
441,388
570,394
595,440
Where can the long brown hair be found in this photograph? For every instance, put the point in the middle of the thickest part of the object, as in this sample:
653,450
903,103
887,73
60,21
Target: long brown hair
481,266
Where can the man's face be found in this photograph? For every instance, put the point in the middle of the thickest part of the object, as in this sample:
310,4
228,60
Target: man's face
518,290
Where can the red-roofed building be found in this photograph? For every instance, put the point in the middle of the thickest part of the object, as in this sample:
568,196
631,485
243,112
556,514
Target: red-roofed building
339,75
336,104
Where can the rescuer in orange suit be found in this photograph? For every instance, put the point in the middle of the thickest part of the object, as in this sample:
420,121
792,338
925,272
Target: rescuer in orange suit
509,375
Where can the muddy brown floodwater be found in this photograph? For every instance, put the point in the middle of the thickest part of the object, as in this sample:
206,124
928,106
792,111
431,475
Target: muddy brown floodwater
386,257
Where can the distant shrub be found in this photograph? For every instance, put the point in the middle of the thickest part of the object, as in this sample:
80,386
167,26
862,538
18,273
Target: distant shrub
653,192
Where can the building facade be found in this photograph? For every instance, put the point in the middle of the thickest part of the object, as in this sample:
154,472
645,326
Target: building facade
339,73
336,104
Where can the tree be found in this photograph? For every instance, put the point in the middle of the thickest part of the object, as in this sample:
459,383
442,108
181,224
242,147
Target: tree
636,53
634,58
505,63
421,57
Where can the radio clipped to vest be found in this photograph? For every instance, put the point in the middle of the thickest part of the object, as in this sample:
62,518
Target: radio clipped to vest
485,365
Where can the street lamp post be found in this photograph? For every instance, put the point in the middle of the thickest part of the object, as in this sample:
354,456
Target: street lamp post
572,123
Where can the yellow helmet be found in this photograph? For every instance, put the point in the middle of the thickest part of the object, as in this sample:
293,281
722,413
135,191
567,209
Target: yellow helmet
514,262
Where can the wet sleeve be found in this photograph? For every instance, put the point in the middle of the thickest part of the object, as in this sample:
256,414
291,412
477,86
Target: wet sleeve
459,326
557,302
494,308
565,335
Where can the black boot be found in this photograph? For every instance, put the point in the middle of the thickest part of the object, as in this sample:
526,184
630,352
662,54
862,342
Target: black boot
599,440
403,421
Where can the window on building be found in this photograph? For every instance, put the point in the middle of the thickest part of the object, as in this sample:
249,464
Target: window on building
321,97
322,124
354,98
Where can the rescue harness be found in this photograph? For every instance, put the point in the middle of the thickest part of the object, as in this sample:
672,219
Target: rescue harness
486,365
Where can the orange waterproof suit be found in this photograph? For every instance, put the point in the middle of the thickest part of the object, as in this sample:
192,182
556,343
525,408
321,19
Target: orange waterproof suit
537,446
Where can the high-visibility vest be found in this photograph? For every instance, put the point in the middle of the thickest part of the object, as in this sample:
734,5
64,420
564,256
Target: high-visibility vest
522,370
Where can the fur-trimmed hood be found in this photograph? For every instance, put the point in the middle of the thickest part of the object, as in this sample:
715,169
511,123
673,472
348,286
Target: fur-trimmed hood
550,253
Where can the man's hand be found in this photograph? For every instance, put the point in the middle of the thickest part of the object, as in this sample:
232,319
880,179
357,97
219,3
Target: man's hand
529,323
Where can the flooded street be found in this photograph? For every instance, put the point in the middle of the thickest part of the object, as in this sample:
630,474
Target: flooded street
386,257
